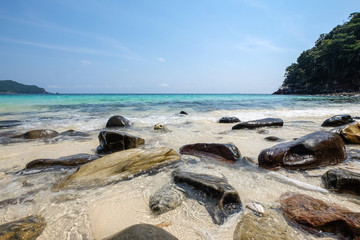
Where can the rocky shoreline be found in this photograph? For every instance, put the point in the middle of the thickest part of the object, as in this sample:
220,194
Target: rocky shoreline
122,156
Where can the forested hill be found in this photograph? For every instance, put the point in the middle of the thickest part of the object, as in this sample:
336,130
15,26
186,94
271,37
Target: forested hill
332,65
12,87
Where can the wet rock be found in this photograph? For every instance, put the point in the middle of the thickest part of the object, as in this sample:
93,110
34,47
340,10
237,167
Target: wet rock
342,180
183,113
314,214
114,141
68,161
229,120
28,228
118,121
161,127
165,199
263,131
272,139
142,232
9,123
266,122
270,226
337,120
40,133
118,166
218,151
73,133
310,151
221,198
350,133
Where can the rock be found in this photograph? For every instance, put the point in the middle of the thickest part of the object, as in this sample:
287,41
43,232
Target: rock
69,161
142,232
342,180
350,133
218,151
221,198
28,228
337,120
118,166
114,141
229,120
73,133
263,131
35,134
272,139
270,226
161,127
315,214
118,121
165,199
183,113
9,123
310,151
257,208
266,122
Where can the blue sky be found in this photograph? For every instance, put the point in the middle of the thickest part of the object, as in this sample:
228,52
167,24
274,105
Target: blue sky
160,46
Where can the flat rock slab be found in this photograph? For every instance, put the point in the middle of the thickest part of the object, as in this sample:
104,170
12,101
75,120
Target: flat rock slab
28,228
68,161
310,151
265,122
118,166
218,151
314,214
221,198
342,180
350,133
337,120
114,141
142,232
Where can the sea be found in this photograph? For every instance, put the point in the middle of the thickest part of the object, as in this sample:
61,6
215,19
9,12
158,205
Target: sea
100,212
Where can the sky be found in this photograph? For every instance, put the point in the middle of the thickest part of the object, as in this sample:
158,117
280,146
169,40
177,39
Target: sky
160,46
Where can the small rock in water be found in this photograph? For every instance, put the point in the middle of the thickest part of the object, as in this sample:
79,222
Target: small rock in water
265,122
114,141
263,131
183,113
342,180
165,199
272,139
36,134
142,232
229,120
73,133
28,228
160,127
337,120
118,121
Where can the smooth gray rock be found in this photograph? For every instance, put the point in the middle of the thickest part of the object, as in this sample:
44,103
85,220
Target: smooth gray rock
165,199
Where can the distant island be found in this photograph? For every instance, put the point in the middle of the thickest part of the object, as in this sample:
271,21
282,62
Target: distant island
331,66
13,87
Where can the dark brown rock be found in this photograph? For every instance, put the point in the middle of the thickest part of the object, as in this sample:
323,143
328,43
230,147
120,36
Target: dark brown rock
142,232
314,214
221,199
28,228
310,151
229,120
69,161
266,122
337,120
183,113
272,139
114,141
219,151
350,133
118,121
342,180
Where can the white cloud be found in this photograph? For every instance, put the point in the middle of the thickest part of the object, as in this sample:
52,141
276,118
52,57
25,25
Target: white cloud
163,85
160,59
85,62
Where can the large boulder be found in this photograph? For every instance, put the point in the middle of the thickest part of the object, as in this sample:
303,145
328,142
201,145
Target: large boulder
229,120
312,213
118,166
265,122
118,121
350,133
337,120
165,199
310,151
28,228
114,141
142,232
68,161
218,151
342,180
221,199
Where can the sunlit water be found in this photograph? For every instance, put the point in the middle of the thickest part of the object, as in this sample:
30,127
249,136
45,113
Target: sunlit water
99,212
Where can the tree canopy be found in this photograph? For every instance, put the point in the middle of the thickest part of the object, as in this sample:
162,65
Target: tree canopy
332,65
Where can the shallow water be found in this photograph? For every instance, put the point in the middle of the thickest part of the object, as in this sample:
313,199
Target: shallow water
99,212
